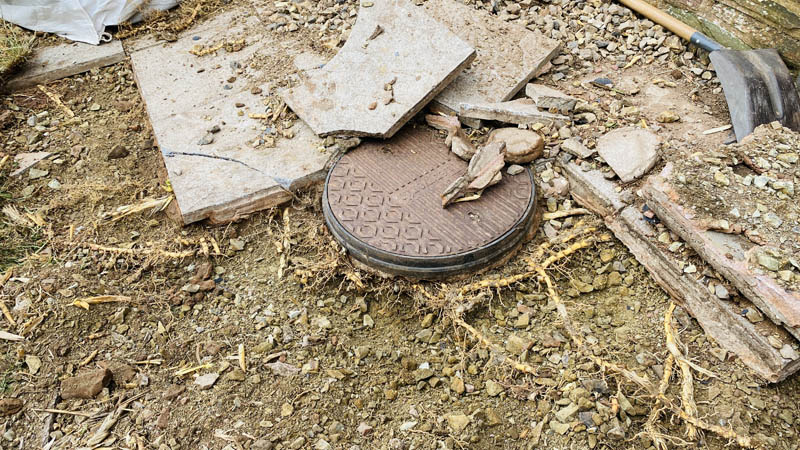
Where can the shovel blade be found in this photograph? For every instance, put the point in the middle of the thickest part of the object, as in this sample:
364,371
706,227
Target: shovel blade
758,88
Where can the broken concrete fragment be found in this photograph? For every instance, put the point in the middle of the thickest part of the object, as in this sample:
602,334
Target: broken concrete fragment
85,385
576,148
522,146
508,55
549,99
558,187
27,160
409,50
631,152
593,190
515,169
483,171
206,381
456,139
722,320
520,111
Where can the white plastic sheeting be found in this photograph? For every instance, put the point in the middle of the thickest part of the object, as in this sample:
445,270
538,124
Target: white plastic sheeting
78,20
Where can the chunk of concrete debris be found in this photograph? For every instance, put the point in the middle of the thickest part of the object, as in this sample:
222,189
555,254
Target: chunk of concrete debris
575,147
631,152
483,171
522,146
508,55
206,381
515,169
558,187
85,385
519,111
456,139
549,99
27,160
407,55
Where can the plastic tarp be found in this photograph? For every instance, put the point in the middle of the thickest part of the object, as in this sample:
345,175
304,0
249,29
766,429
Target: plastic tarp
78,20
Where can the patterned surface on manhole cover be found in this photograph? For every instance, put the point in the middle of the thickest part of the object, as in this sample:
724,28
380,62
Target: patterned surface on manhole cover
387,195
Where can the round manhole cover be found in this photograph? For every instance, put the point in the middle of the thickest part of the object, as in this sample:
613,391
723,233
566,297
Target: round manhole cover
382,202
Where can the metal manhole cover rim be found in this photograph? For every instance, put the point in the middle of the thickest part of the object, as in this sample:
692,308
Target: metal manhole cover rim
402,264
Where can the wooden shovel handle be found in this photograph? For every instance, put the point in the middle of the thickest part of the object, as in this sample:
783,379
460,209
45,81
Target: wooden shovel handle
660,17
672,24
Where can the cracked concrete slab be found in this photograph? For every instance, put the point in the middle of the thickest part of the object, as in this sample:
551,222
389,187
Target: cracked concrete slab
187,95
508,55
396,60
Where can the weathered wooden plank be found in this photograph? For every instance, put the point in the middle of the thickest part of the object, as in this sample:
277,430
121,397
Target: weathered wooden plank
721,319
186,95
64,60
508,55
395,61
730,257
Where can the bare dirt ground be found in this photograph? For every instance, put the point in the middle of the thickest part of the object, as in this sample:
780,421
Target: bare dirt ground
334,358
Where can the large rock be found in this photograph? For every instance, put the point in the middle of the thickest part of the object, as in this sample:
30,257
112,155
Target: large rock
522,146
85,385
631,152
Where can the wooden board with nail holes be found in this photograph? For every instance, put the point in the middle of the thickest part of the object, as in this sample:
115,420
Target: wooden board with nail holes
382,202
508,55
391,40
185,95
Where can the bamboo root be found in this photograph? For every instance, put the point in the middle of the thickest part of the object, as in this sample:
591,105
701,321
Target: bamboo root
522,367
687,384
643,382
567,213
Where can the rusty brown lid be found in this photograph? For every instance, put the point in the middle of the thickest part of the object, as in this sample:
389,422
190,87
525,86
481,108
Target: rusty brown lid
382,203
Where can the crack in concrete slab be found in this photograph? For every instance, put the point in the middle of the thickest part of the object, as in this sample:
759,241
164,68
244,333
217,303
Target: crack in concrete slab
282,182
204,155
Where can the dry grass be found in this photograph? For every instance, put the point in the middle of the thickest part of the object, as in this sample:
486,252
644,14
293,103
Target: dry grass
15,46
165,24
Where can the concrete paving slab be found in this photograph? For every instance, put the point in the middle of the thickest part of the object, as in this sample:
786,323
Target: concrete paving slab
25,161
508,55
395,61
549,99
59,61
187,95
631,152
